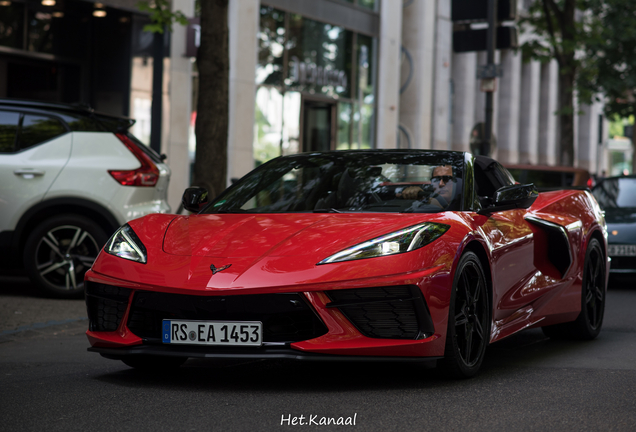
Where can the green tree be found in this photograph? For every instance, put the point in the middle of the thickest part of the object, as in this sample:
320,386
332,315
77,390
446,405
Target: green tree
561,29
612,52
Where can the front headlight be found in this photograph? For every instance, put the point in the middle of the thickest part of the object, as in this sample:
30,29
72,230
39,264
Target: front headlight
125,244
404,240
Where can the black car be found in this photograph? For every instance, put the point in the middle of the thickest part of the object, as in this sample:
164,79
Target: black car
617,197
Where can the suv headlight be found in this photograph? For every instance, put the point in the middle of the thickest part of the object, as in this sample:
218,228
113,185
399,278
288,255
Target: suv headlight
125,244
404,240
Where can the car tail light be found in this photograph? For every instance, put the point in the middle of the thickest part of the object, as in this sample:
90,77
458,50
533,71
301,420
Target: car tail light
146,175
590,183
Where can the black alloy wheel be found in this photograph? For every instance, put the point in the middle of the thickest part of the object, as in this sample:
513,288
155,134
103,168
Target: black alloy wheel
468,331
593,293
60,251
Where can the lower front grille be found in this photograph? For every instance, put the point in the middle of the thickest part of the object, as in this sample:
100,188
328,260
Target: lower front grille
105,305
623,263
397,312
286,317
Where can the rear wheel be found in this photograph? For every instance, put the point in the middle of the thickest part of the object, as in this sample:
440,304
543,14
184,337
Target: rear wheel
468,331
589,322
60,251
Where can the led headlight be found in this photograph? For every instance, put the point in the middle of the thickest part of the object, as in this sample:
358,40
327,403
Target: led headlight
125,244
404,240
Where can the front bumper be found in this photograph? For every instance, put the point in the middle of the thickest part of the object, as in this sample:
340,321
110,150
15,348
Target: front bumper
380,323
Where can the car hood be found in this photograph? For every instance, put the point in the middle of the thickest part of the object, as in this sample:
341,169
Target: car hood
283,235
621,225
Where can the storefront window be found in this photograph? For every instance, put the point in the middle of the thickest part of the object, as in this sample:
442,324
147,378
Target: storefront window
369,4
291,124
271,40
316,86
268,124
345,114
319,57
11,25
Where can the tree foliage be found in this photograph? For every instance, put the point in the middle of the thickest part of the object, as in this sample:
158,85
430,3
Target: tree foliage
561,30
611,51
161,16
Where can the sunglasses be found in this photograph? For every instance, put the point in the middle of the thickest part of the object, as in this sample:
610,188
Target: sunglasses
444,178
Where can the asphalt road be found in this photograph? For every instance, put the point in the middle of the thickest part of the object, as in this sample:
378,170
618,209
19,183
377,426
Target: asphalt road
48,381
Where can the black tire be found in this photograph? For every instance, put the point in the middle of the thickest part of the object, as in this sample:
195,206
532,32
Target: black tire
151,363
593,294
59,251
469,312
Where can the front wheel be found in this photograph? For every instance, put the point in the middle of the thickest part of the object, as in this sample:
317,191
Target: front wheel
468,331
60,251
589,322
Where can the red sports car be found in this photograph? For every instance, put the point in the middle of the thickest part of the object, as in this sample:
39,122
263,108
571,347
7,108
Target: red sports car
378,254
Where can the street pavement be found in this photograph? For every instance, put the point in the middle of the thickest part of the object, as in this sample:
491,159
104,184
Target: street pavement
48,381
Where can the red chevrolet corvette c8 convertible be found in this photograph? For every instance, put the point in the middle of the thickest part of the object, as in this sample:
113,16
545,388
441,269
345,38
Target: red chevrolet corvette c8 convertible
352,255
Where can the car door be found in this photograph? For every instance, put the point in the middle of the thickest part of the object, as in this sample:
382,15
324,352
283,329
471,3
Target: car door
33,150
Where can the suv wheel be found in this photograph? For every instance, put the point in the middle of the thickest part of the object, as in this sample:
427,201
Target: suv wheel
59,251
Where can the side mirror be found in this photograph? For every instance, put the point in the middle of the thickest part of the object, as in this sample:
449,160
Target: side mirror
194,199
512,197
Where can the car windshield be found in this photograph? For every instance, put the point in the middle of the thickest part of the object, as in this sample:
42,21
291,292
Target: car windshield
616,192
353,181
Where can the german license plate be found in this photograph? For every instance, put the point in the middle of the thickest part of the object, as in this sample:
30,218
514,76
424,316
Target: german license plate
243,333
622,250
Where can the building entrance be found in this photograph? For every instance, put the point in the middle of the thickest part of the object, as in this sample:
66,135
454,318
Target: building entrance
318,125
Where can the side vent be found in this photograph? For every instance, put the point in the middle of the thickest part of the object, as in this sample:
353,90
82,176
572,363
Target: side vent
558,244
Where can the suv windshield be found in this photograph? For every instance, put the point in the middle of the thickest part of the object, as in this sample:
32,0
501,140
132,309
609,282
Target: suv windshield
354,181
616,192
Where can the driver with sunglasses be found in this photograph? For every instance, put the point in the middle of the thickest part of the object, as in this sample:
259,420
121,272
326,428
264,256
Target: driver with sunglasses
443,183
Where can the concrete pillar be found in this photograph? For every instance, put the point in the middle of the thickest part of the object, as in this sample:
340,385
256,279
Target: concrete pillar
588,153
509,99
548,105
529,112
177,108
418,55
465,88
389,74
442,85
243,23
480,98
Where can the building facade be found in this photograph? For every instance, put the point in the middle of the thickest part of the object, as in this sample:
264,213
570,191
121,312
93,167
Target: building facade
304,76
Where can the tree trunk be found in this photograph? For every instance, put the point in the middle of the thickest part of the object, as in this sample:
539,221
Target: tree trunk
210,165
567,77
566,118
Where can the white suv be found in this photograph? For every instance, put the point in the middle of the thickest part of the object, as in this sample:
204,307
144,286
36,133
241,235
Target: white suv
69,177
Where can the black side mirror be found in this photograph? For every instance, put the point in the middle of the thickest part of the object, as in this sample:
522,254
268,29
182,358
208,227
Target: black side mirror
512,197
194,199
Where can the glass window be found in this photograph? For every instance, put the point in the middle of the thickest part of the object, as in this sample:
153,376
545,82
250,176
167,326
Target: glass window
40,35
365,53
271,40
37,129
319,57
11,25
616,193
369,4
344,126
8,128
268,124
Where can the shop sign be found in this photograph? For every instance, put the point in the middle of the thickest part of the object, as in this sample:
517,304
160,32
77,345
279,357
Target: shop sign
305,73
